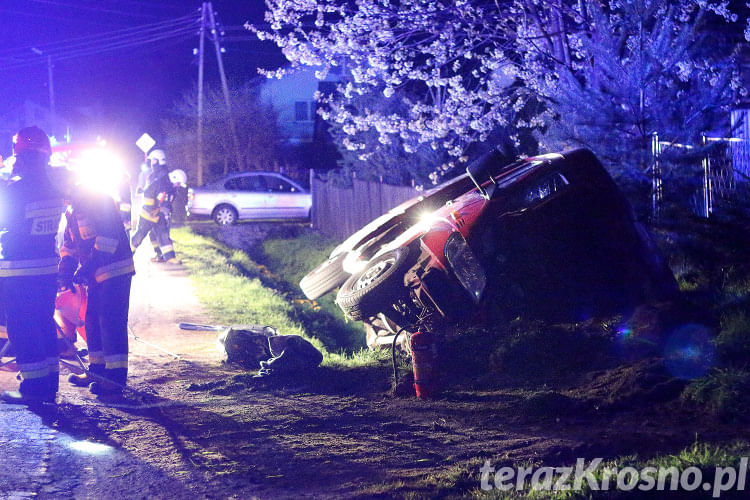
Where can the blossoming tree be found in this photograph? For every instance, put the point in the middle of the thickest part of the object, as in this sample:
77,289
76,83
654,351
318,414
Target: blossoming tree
575,71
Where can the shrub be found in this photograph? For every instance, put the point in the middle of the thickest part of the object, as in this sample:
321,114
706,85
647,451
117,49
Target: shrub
733,341
724,392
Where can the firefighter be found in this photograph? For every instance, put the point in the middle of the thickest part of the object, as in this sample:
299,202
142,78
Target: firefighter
156,211
179,181
160,237
96,253
30,210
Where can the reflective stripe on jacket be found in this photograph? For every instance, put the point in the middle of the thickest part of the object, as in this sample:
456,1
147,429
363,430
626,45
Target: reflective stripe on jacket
30,267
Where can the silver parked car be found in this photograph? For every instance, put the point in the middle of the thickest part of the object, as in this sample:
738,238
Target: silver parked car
250,195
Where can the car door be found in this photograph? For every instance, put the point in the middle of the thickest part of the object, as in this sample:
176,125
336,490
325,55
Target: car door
285,199
248,195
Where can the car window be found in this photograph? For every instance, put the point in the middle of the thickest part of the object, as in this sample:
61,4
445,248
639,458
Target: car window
251,183
545,187
278,185
254,183
234,184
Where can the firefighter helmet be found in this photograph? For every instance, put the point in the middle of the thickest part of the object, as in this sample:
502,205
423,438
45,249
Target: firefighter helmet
178,176
31,139
157,157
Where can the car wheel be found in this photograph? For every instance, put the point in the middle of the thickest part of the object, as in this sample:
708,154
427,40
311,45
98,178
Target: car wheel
225,215
375,289
324,277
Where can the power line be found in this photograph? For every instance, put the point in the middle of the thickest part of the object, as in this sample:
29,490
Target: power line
94,9
183,33
153,5
47,16
73,43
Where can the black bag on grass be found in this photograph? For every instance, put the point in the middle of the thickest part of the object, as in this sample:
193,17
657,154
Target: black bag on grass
291,354
247,345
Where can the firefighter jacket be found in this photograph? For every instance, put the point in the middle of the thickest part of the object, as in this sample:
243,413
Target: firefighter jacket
94,238
30,212
158,195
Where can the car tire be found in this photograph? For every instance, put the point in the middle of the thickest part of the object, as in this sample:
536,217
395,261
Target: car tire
324,278
375,289
224,215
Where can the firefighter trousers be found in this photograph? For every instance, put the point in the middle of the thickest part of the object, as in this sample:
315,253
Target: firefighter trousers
107,327
29,303
159,234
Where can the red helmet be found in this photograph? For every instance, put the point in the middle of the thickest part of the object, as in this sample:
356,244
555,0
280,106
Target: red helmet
31,139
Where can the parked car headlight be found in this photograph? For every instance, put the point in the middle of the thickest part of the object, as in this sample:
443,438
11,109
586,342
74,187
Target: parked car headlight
465,265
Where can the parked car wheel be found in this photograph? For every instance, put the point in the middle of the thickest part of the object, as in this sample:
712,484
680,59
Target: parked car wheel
225,215
324,277
372,291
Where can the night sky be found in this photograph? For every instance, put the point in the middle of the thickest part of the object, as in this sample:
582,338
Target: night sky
128,88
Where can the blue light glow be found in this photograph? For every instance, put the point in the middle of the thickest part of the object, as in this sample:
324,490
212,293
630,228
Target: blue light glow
689,351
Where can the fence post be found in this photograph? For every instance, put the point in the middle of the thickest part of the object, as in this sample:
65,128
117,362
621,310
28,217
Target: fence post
313,208
656,180
707,194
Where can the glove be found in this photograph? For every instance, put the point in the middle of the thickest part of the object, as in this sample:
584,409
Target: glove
64,283
85,274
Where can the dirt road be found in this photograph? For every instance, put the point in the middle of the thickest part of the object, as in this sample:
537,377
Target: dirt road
201,429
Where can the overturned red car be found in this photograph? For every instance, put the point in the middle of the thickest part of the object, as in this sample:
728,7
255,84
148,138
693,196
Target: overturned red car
549,236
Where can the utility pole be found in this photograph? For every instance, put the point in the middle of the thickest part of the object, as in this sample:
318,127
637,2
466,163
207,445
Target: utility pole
225,87
201,45
50,86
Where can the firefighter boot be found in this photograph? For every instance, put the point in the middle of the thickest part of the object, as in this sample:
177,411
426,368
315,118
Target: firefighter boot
111,384
31,391
84,379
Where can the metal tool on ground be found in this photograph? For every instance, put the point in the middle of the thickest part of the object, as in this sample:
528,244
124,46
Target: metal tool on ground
5,350
203,328
95,376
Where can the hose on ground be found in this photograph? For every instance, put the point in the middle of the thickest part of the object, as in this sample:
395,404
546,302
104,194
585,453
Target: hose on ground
393,357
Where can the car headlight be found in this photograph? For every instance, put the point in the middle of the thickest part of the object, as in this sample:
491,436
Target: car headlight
465,265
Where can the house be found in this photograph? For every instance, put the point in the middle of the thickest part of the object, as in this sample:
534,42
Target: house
292,98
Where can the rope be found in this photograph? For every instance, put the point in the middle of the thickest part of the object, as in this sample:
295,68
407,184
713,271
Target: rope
393,357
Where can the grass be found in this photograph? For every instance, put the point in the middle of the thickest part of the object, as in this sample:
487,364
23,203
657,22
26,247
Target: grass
724,391
293,258
235,289
733,341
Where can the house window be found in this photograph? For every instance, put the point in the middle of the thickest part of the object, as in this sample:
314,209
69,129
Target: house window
301,111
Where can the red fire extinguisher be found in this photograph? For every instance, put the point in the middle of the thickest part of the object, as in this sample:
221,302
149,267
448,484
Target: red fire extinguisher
425,363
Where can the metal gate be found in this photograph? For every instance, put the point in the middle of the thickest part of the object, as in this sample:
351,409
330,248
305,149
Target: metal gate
703,178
